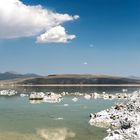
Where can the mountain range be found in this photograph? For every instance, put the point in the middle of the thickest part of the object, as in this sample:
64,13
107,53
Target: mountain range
14,75
34,79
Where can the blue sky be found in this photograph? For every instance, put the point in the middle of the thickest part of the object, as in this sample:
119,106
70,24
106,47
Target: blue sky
107,41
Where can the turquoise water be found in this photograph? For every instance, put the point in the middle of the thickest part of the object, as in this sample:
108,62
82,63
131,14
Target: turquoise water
21,120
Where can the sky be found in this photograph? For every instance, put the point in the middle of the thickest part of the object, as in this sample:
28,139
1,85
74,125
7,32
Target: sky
68,36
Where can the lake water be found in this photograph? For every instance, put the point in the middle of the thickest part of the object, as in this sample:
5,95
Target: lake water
21,120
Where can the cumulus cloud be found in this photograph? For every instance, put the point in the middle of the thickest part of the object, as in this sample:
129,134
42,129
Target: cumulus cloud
56,34
20,20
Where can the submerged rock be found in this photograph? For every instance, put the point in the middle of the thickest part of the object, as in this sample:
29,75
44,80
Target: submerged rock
75,99
45,97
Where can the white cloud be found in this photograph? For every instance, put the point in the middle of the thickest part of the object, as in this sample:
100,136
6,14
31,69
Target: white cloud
20,20
91,45
85,63
56,34
76,17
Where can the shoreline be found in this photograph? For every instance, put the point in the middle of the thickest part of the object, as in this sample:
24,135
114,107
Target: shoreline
122,121
75,85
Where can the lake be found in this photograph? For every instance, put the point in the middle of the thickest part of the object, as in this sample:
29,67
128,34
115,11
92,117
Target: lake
67,120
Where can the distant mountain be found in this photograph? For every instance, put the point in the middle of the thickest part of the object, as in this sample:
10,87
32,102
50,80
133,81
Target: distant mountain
79,79
13,75
134,77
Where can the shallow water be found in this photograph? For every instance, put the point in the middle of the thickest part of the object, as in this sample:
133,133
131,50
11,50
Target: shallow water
21,120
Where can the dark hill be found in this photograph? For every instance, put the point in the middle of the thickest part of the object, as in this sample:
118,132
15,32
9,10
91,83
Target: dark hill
80,79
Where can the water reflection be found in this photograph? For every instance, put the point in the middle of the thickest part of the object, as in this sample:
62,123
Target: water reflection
41,134
55,134
18,136
72,114
35,101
